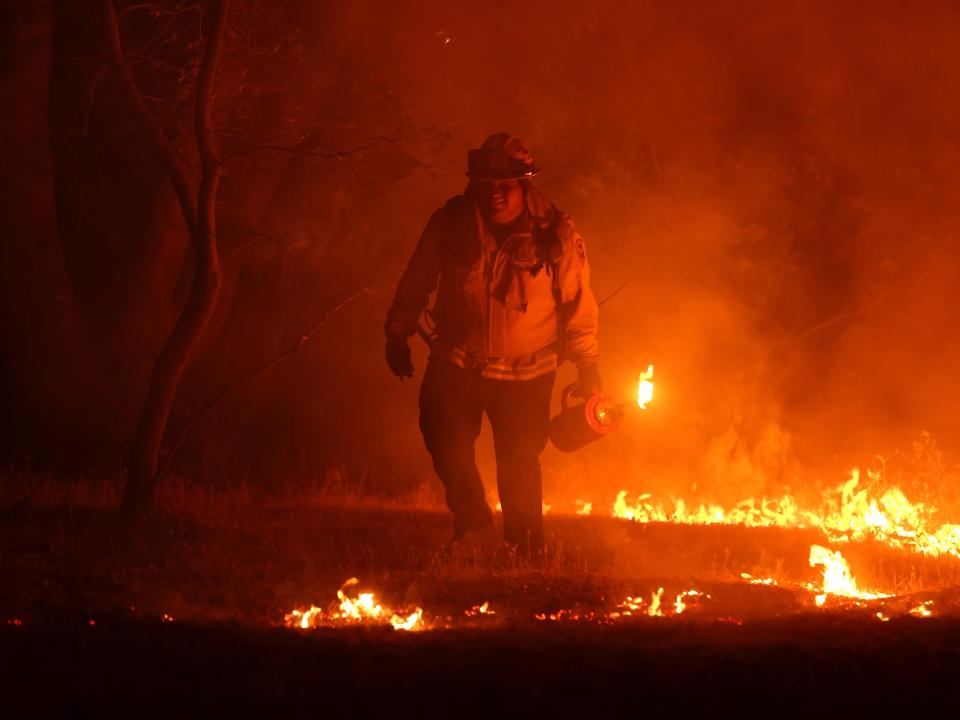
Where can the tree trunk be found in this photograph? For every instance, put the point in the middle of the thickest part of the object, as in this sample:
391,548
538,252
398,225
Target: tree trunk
198,204
49,405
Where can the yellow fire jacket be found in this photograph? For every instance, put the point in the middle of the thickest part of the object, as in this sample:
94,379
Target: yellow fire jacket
508,310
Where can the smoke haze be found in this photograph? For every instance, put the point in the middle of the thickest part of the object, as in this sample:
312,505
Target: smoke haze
776,184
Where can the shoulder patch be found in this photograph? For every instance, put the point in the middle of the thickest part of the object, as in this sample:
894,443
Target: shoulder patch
581,251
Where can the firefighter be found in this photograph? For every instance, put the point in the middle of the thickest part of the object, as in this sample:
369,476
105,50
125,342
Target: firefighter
513,300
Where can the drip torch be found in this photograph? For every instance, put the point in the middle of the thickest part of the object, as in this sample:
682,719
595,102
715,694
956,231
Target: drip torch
597,416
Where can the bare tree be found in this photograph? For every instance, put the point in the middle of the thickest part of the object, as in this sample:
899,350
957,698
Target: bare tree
198,202
168,73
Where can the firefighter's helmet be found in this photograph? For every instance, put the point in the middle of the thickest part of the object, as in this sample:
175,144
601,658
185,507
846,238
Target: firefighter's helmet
501,157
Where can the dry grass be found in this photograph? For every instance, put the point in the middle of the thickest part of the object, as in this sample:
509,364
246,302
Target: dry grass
227,566
252,557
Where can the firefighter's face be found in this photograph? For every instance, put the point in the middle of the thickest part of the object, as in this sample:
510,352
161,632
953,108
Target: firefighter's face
501,201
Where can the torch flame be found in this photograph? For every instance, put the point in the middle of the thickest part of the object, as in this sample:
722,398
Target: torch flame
645,388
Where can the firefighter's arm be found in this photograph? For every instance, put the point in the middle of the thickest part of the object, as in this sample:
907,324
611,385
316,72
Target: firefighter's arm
579,307
418,281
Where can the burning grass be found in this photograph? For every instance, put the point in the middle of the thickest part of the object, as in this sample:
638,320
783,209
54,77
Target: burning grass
258,560
656,607
848,513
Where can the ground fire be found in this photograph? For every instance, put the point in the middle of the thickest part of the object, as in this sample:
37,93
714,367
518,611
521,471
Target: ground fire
847,513
362,609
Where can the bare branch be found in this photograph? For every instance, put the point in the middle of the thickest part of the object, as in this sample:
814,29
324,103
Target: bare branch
154,62
150,43
333,154
267,364
88,98
177,169
258,237
612,295
208,73
158,10
849,313
200,213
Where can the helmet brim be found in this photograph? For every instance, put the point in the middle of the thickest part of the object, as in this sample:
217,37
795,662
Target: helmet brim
494,177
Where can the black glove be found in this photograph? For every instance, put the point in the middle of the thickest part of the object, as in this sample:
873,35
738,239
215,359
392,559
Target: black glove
588,380
398,357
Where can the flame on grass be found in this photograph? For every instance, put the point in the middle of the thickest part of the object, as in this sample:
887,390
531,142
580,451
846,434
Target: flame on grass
362,609
564,614
413,621
758,581
922,610
629,606
847,513
655,608
483,609
837,579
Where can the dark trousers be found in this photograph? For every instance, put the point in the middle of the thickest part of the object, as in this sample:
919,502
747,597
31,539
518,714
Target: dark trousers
452,403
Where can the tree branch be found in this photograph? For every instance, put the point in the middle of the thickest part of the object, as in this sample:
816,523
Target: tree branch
333,154
88,98
157,10
261,236
151,42
200,214
827,323
177,170
266,365
612,295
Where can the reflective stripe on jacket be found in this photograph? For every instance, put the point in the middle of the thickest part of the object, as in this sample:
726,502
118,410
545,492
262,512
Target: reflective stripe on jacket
507,311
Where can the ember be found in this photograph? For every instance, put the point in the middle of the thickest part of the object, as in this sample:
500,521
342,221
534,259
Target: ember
922,610
483,609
